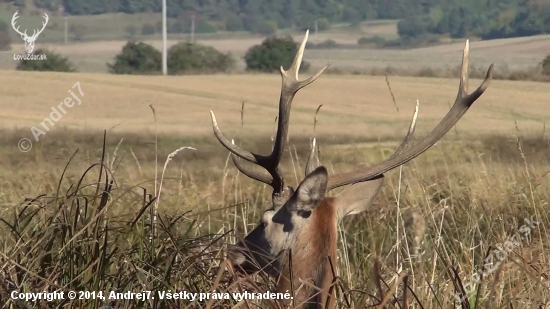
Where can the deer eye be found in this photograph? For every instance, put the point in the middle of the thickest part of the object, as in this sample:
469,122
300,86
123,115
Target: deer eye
263,222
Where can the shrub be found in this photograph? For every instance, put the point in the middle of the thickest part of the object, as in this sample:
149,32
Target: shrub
54,63
271,54
377,40
4,26
363,41
5,40
148,29
137,58
546,66
195,58
326,44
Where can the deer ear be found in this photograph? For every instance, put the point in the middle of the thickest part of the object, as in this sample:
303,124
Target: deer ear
358,197
311,191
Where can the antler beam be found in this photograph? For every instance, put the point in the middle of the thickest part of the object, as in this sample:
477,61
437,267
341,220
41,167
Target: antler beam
404,154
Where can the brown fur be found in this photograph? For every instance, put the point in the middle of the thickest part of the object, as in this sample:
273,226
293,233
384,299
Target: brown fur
310,261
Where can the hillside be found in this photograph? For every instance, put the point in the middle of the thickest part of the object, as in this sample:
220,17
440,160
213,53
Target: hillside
488,19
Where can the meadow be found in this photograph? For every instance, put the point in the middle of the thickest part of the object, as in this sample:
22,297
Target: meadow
135,211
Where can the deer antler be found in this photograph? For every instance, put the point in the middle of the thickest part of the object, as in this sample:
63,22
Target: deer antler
290,86
404,154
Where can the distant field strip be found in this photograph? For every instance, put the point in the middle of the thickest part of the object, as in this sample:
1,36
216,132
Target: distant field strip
354,105
508,54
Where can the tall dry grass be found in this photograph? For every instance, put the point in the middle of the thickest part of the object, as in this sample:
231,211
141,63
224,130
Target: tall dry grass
79,214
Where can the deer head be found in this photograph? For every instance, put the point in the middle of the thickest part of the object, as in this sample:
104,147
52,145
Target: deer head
297,234
29,40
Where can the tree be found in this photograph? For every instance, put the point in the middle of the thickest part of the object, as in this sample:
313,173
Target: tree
273,53
184,58
137,58
54,62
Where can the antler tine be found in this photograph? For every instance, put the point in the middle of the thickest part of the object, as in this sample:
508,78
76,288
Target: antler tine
289,88
312,160
291,75
407,140
462,103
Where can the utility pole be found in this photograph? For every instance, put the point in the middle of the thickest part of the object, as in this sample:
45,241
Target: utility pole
193,29
164,39
316,27
66,27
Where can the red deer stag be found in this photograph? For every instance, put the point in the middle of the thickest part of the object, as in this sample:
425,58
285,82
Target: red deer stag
304,221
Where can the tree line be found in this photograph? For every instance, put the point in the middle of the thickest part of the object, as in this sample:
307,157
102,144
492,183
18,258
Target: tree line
488,19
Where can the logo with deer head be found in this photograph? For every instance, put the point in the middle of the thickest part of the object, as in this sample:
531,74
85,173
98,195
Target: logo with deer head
29,40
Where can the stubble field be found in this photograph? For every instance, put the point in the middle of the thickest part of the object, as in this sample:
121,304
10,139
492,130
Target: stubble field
452,207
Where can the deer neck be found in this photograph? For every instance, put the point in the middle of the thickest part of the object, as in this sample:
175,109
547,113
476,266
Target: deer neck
310,260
